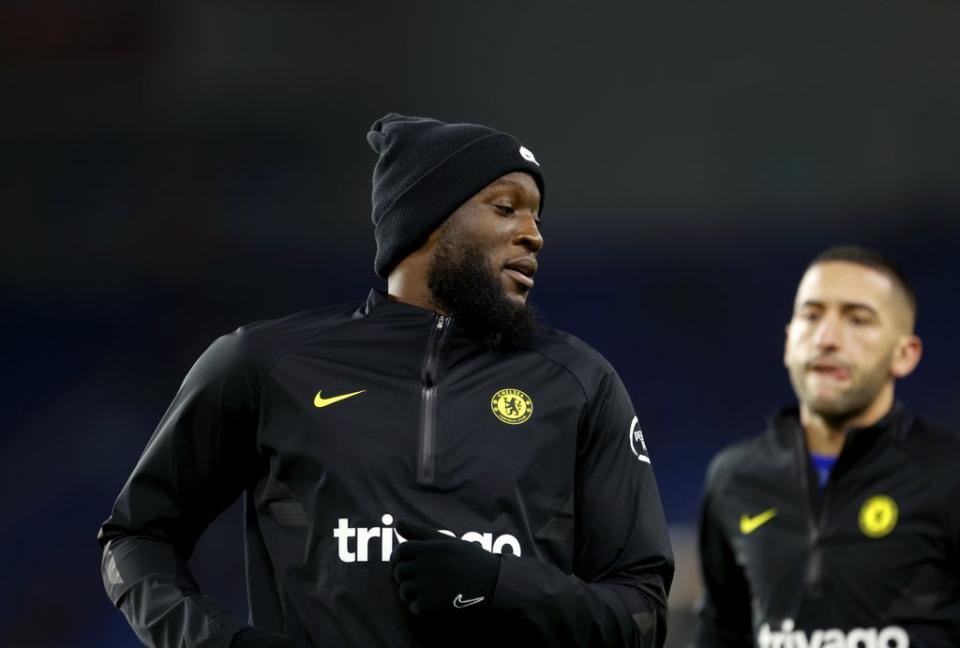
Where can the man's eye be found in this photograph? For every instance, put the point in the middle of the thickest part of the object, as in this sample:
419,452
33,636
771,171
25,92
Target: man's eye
505,209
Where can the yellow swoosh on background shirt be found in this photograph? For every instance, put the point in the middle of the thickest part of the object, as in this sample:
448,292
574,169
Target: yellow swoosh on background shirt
750,523
320,401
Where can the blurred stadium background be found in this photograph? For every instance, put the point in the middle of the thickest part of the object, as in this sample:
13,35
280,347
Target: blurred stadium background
171,170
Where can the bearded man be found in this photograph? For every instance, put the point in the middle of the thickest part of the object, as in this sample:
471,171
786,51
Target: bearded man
840,527
427,467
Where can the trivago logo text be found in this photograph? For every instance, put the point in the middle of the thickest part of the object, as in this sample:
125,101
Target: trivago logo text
788,637
355,544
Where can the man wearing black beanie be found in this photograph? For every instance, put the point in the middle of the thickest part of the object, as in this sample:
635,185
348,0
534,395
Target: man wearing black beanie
429,467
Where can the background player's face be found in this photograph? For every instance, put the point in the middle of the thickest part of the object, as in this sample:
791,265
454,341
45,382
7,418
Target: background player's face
502,221
849,338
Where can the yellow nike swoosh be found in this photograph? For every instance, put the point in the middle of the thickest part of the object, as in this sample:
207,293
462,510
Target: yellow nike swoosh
749,524
320,401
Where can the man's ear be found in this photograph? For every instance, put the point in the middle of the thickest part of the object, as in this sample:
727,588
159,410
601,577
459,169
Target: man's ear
906,356
786,339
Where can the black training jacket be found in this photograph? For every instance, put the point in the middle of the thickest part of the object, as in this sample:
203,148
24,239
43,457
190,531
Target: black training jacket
335,424
872,561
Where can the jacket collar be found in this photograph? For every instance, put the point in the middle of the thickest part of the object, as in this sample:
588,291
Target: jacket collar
894,424
380,304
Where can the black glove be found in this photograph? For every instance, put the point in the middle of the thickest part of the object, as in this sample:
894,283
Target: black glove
437,573
253,638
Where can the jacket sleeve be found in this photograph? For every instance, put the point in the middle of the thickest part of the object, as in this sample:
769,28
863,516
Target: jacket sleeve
724,614
198,461
623,562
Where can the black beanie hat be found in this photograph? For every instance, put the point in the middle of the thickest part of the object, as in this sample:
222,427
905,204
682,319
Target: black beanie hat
426,170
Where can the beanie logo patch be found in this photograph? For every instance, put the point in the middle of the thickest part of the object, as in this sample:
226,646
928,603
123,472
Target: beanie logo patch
527,155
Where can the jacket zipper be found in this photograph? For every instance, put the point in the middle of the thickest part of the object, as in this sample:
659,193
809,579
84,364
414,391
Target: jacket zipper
427,452
814,575
816,525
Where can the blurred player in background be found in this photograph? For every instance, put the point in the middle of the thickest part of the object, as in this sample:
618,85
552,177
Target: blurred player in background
429,466
841,526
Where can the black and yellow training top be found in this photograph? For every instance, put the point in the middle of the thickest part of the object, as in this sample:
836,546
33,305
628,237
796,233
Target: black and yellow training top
334,425
870,561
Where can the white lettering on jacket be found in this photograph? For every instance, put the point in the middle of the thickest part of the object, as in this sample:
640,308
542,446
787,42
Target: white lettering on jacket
355,544
788,637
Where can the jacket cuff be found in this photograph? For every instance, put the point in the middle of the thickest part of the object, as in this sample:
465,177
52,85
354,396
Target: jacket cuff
520,584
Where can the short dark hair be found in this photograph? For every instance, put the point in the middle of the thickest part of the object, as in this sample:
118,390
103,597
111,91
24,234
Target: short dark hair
873,260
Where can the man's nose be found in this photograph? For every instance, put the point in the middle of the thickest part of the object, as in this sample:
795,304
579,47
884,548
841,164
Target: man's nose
828,332
529,233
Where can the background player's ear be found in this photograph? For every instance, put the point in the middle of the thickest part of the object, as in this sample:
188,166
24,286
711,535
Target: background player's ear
417,532
906,356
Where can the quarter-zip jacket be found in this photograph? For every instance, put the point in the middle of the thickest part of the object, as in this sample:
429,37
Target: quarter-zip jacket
871,560
428,414
336,424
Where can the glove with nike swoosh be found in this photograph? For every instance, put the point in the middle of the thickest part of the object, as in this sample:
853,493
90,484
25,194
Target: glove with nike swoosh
438,573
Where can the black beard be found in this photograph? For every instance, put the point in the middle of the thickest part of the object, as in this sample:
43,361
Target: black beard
463,285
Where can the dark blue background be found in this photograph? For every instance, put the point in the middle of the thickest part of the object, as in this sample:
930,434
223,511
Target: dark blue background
171,171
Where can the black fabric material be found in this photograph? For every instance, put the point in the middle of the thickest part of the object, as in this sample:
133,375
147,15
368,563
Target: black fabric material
437,573
253,638
246,421
427,169
811,574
